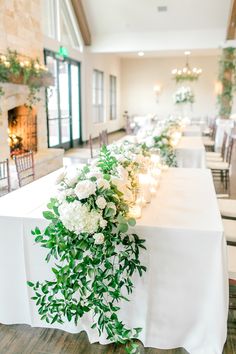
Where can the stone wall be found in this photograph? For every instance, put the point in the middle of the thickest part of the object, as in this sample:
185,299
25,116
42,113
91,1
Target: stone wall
20,27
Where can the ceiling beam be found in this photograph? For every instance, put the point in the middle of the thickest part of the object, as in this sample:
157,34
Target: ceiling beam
82,21
231,32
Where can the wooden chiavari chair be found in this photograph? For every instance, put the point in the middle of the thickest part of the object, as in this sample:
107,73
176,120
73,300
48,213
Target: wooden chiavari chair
221,168
25,168
5,185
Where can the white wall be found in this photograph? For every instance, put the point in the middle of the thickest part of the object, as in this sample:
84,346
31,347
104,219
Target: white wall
109,65
139,75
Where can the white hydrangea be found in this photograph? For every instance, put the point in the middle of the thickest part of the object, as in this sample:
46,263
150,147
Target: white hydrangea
99,238
102,183
76,217
84,189
101,202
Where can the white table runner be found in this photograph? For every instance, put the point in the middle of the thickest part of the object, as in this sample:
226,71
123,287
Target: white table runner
192,130
180,302
190,152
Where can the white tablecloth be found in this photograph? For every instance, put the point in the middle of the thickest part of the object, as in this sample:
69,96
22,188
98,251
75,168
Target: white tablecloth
182,299
192,130
190,152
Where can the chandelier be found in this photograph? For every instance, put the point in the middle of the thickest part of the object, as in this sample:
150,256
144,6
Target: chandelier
186,74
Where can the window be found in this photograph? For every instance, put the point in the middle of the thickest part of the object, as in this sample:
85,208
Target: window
60,23
63,102
98,99
113,114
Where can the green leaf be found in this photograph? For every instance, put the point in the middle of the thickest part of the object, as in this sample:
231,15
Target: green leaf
123,228
132,222
30,284
48,215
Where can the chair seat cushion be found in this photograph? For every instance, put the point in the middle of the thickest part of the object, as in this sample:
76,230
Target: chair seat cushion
214,159
213,154
217,165
227,207
232,262
230,230
208,142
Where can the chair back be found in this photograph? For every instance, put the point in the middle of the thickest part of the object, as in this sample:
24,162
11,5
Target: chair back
5,176
223,148
91,146
25,168
230,150
214,131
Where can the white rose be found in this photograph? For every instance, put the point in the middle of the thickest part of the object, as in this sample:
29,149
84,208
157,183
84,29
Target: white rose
103,223
164,141
103,183
95,172
118,183
99,238
60,178
101,202
122,172
61,196
111,205
84,189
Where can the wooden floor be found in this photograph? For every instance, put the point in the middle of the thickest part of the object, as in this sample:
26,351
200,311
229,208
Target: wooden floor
22,339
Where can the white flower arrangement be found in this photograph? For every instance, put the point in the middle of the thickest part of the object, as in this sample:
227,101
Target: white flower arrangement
183,95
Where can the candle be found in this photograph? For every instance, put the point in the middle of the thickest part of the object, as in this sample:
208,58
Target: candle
144,181
155,159
141,201
135,212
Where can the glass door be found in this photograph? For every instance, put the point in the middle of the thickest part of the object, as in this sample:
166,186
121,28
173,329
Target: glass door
63,102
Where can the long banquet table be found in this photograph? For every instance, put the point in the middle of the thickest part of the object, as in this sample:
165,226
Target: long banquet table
190,152
181,301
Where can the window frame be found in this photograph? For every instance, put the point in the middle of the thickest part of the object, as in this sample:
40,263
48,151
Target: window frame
98,96
112,97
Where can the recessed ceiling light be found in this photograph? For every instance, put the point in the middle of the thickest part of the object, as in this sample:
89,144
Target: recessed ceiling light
161,8
140,54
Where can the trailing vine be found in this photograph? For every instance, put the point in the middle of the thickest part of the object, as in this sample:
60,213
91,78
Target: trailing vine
95,253
17,69
227,73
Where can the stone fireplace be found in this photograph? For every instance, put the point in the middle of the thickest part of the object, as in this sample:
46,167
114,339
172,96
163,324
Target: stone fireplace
21,28
27,130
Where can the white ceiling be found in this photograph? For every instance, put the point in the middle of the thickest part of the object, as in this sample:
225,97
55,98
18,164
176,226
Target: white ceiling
123,26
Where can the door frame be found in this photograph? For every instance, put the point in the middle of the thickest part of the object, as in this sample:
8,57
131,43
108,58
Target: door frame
72,142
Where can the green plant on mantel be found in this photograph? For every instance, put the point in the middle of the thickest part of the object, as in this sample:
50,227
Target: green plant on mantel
227,78
18,69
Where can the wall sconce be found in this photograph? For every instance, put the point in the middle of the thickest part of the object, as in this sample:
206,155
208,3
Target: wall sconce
157,91
218,88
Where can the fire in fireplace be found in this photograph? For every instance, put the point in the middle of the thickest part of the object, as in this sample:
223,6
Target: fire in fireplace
22,130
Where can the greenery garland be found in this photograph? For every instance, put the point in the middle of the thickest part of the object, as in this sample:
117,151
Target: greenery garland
20,70
162,142
93,270
227,72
